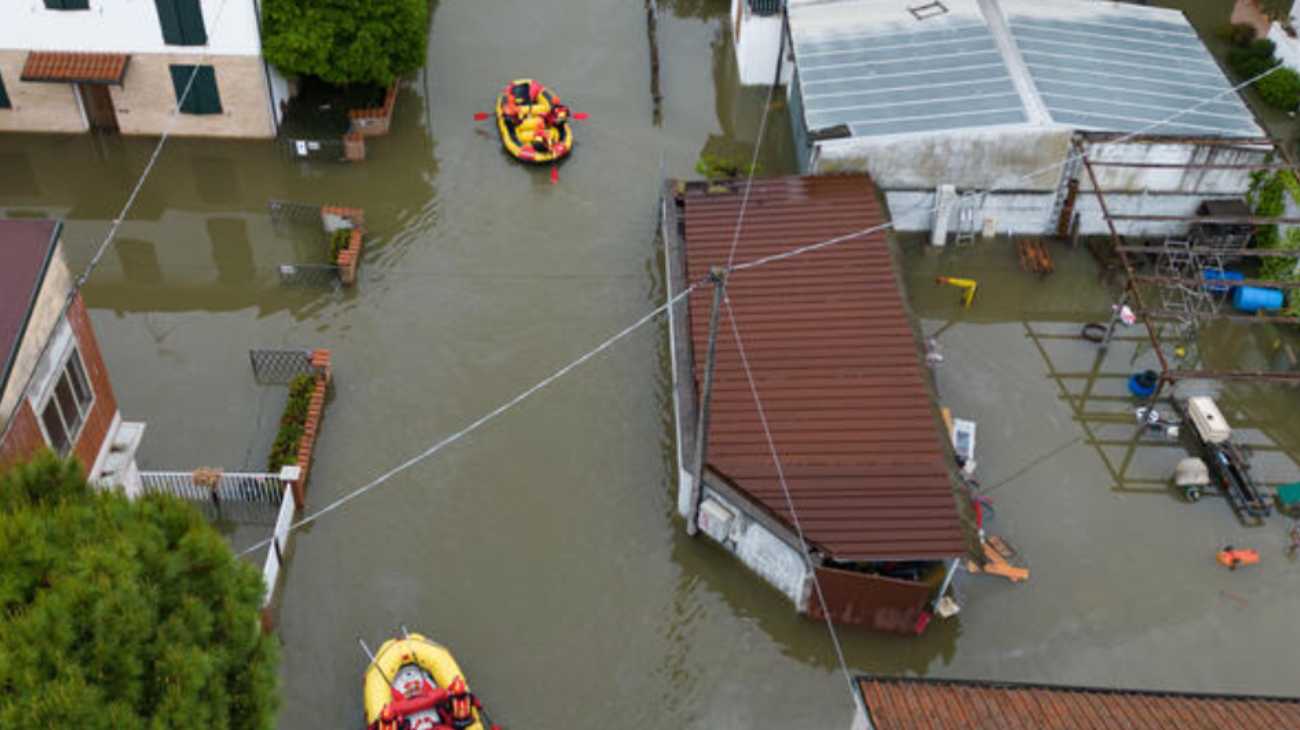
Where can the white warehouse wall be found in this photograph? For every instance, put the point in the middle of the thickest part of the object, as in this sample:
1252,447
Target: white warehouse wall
124,26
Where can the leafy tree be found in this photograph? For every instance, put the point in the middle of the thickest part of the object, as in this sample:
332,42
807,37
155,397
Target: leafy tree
1252,59
1280,89
346,41
1276,9
123,614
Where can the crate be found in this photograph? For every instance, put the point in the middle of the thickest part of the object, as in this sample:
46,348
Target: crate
1209,421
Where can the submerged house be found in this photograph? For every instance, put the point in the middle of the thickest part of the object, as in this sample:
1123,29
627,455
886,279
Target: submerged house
940,98
112,66
54,387
845,394
917,703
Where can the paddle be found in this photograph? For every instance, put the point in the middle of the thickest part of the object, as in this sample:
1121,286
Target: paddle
484,116
555,174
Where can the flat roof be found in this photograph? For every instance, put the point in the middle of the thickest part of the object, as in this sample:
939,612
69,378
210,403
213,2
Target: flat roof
887,67
26,247
838,368
895,703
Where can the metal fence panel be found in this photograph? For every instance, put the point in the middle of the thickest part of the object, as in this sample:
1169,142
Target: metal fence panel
312,275
240,497
280,366
288,211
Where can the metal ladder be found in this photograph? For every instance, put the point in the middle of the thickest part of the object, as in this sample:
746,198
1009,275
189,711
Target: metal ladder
1070,171
969,206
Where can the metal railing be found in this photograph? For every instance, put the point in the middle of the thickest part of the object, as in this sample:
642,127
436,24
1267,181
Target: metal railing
256,488
272,367
765,7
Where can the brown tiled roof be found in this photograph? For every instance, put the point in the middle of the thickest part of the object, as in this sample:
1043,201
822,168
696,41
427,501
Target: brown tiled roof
25,250
937,704
837,366
61,66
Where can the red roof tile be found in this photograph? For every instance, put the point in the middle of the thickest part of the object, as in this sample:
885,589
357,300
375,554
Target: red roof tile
938,704
60,66
837,366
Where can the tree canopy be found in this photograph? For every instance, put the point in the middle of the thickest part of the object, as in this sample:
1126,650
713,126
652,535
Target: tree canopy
123,614
346,41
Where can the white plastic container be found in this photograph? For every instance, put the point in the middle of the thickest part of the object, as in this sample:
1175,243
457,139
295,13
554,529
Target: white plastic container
1209,422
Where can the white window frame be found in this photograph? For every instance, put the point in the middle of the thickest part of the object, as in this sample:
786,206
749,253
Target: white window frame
63,348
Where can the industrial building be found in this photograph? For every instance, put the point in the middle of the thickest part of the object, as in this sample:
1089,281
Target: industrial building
969,114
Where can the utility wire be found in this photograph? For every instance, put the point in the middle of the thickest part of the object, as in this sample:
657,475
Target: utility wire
789,501
482,420
122,214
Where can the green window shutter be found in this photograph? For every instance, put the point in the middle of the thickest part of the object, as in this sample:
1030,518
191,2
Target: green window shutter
193,31
171,22
203,97
4,96
76,4
182,22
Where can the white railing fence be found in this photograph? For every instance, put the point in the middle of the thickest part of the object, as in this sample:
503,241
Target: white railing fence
241,497
275,551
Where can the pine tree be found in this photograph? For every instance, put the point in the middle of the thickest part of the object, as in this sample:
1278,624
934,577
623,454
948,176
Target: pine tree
123,614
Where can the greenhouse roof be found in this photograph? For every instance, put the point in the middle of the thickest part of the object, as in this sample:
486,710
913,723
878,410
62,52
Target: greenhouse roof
889,67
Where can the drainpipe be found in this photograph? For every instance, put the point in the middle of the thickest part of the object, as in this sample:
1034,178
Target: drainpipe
718,276
266,69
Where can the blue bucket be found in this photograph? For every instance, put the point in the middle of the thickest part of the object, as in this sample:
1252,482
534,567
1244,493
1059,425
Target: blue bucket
1255,298
1143,384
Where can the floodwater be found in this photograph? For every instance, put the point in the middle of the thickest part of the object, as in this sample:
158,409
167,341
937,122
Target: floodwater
543,547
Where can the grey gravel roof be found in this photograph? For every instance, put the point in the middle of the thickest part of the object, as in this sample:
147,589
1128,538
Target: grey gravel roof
874,66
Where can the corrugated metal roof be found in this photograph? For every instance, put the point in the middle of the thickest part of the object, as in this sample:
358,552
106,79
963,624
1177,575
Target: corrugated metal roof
1121,68
837,366
885,67
25,249
67,67
873,66
937,704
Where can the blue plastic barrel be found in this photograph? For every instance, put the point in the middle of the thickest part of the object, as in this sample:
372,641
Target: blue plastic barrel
1255,298
1220,275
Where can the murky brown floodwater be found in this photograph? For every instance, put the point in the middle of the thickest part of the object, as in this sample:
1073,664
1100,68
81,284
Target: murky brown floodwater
543,549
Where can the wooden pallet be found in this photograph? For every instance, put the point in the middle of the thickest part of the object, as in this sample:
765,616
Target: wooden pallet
1034,257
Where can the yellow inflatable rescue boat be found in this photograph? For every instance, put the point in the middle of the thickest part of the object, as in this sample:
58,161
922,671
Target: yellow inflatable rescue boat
415,684
534,125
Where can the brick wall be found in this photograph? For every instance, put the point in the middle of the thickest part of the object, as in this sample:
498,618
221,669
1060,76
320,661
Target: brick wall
101,415
24,439
146,100
320,359
36,107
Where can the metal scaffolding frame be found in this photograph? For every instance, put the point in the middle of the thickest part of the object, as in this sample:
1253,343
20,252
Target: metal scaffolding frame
1185,298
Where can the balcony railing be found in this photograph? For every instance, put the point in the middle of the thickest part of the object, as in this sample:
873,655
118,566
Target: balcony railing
765,7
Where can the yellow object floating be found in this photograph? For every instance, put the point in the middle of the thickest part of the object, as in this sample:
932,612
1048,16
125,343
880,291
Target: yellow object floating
522,110
968,287
392,657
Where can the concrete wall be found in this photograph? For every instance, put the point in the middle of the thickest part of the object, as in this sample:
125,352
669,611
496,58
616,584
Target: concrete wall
1029,213
1136,179
1019,156
37,107
118,26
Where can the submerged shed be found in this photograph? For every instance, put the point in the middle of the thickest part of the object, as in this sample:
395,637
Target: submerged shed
844,392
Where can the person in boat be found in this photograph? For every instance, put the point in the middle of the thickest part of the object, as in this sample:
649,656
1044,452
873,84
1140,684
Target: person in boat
456,712
556,115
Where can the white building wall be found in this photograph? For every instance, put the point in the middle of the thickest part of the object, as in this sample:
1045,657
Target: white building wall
124,26
757,43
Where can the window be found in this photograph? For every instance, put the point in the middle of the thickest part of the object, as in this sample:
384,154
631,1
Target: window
4,95
202,97
67,4
66,405
182,22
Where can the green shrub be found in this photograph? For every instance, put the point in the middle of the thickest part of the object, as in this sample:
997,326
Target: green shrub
346,41
1252,60
284,450
118,613
338,242
717,167
1280,89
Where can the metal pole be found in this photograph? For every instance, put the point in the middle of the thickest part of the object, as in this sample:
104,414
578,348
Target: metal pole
718,276
375,662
